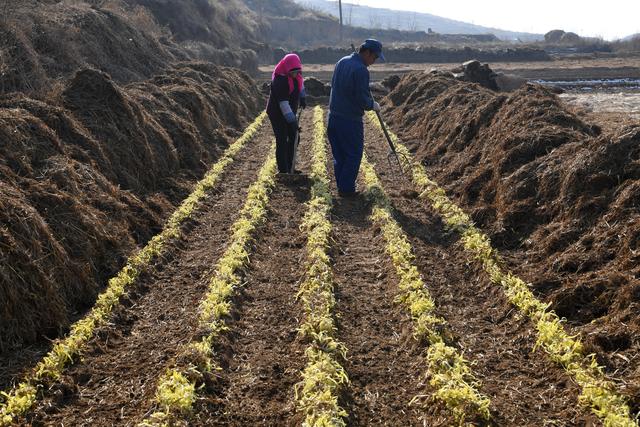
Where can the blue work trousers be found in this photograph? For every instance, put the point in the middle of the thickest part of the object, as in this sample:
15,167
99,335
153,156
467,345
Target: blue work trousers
347,145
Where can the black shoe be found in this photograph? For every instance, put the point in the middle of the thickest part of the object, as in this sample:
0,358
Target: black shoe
348,194
297,172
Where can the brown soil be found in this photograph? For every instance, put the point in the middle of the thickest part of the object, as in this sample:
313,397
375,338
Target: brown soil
89,176
560,69
121,366
429,53
525,387
556,194
383,365
262,355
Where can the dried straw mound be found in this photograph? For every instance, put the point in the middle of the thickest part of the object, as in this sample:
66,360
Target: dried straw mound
89,177
131,40
42,42
556,195
63,225
221,23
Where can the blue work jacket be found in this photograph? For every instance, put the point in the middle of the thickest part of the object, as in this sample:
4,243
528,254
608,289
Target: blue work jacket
350,95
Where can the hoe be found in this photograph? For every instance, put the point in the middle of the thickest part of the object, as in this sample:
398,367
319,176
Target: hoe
295,145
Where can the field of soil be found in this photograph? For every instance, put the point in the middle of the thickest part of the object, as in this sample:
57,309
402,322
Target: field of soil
556,194
559,69
157,271
625,105
261,354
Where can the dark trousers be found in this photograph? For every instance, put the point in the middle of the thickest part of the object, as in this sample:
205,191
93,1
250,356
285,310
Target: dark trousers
347,145
285,140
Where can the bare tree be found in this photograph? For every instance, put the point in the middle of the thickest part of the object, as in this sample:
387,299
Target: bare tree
389,24
350,14
374,20
412,25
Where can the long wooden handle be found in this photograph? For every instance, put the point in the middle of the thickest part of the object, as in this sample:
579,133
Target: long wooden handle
386,132
295,144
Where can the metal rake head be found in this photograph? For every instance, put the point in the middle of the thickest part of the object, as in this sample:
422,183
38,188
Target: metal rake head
400,162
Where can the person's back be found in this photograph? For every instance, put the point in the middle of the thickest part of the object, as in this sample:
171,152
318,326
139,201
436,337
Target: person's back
350,95
350,98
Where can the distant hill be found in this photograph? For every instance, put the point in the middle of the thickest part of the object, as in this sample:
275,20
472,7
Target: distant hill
282,8
370,17
631,37
292,25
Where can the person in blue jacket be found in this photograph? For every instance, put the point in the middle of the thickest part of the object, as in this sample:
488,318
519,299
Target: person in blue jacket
350,98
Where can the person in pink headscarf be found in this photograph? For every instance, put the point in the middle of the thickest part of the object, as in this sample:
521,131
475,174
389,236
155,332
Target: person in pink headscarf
287,93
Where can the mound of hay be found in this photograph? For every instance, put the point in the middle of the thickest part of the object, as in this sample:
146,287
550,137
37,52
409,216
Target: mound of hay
87,178
47,41
561,199
131,40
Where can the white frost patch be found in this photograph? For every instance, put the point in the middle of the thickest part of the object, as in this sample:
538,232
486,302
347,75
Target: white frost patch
602,102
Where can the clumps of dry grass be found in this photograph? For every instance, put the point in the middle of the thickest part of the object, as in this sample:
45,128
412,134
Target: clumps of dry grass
44,42
129,39
83,186
65,351
540,181
598,392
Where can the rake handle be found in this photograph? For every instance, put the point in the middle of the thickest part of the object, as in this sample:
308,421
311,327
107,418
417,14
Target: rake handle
295,145
386,132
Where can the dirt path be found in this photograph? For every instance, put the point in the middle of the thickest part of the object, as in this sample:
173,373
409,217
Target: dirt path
262,357
524,386
122,363
382,364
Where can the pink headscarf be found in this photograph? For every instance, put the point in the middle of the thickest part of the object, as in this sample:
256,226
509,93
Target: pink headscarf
288,63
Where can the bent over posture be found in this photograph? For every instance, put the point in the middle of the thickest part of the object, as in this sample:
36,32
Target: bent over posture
350,97
287,92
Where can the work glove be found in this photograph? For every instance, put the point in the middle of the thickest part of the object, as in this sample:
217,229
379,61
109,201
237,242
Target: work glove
293,126
376,107
303,102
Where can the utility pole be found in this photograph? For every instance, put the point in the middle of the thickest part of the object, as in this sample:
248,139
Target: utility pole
340,6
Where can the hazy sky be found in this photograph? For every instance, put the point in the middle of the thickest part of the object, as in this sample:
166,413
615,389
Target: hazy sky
609,18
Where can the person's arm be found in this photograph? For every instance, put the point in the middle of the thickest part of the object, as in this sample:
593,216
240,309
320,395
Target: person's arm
280,92
288,114
362,91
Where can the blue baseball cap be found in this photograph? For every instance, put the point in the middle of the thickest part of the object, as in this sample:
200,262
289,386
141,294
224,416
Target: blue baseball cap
374,46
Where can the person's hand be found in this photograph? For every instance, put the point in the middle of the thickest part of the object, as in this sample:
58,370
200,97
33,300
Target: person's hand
293,126
376,107
303,102
290,117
